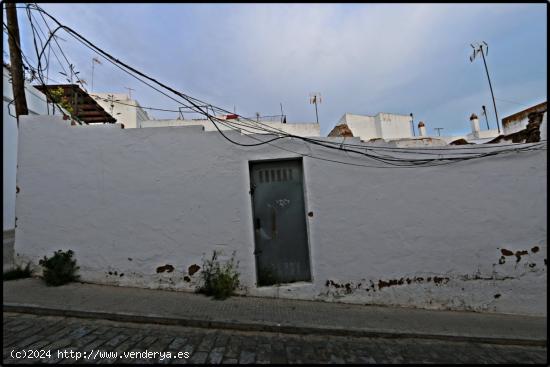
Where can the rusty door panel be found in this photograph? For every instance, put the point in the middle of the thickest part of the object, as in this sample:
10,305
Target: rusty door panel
281,243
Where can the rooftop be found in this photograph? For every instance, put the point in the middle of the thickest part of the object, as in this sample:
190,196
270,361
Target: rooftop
86,109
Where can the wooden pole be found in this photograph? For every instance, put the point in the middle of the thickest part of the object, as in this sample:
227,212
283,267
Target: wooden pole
18,81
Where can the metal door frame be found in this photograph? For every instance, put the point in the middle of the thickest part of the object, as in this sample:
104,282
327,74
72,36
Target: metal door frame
308,242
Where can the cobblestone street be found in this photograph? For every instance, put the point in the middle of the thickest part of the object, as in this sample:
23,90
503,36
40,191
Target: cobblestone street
24,332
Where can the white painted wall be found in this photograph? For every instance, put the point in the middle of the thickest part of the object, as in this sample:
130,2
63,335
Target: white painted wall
483,134
37,105
371,227
515,126
419,141
394,126
361,125
381,126
299,129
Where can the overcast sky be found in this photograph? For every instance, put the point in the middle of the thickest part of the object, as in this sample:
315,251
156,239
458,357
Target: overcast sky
362,58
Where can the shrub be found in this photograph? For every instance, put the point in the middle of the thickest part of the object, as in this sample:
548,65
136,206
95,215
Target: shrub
219,281
60,268
18,273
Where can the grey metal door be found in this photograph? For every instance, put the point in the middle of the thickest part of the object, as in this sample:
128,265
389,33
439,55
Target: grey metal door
281,243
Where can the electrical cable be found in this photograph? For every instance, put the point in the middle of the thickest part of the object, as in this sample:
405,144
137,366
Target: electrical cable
396,162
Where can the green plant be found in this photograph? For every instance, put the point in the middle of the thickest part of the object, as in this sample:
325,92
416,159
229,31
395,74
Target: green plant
58,96
219,280
60,268
18,273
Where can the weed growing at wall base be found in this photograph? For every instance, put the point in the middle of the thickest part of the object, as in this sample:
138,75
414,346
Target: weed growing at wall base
219,281
60,268
18,273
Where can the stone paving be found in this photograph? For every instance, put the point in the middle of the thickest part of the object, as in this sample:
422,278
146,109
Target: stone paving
100,339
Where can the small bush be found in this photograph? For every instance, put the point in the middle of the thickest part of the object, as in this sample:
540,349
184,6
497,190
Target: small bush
18,273
60,268
219,281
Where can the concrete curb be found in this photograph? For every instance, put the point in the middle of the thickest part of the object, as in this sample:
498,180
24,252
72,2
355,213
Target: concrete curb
261,326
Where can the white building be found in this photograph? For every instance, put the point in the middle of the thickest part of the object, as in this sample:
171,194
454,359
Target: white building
475,136
299,129
381,126
518,121
477,133
127,111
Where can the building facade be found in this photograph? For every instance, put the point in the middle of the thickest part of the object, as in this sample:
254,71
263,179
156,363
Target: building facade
519,120
464,236
385,126
298,129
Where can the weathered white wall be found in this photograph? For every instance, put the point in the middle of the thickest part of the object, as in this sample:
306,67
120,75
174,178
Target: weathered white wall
435,237
37,105
419,141
382,126
361,126
394,126
515,126
483,134
299,129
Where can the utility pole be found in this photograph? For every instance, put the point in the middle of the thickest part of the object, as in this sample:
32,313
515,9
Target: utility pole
438,130
18,81
483,51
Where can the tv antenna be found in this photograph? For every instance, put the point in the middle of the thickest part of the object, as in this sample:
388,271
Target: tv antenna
315,98
438,130
95,60
129,92
483,49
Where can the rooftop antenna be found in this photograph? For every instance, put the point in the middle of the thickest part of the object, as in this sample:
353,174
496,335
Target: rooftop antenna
483,49
181,116
315,98
438,130
484,113
95,60
129,92
412,123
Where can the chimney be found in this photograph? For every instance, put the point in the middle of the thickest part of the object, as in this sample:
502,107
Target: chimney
421,129
475,124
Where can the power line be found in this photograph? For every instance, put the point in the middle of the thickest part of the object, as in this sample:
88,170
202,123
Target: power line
195,105
513,102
